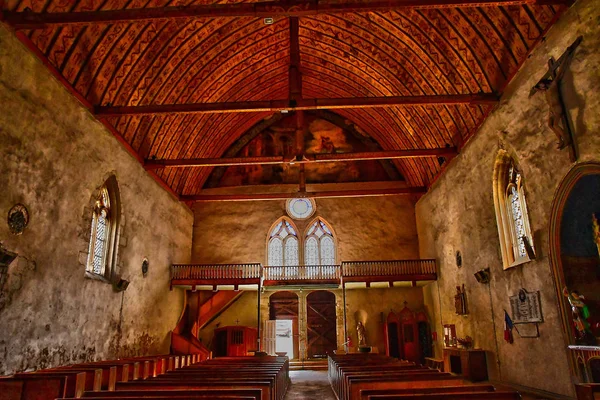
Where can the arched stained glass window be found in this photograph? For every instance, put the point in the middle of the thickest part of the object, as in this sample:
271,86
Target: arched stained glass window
516,241
283,245
319,247
103,235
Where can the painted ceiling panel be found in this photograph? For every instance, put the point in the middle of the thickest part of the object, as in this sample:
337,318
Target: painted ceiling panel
410,52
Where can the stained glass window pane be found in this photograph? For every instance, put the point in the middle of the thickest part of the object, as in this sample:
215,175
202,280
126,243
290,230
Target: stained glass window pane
276,252
325,228
312,229
300,208
290,229
311,251
100,243
291,251
276,229
519,224
327,251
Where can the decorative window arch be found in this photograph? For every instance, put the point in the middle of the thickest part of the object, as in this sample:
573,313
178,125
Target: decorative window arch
516,241
102,255
319,244
283,245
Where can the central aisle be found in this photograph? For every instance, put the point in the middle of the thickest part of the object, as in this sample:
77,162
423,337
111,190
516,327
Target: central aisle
309,385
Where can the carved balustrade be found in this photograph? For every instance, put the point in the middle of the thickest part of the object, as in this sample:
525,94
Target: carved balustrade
354,271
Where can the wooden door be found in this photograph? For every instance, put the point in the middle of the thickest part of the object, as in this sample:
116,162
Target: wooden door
220,343
320,324
425,345
269,337
392,336
284,306
410,335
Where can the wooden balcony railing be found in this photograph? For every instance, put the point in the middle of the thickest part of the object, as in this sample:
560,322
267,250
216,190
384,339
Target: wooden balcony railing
354,271
395,270
302,274
208,274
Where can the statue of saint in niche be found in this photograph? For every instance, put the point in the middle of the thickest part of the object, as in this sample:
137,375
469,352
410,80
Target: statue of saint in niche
362,335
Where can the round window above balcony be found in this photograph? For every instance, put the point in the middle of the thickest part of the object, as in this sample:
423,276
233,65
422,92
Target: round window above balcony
300,208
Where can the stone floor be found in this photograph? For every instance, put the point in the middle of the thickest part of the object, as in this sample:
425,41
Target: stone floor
309,385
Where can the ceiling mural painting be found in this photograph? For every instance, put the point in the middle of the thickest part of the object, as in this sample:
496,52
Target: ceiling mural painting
321,137
193,83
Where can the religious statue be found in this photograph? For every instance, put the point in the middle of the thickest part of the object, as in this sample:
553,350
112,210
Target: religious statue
580,314
550,85
596,230
460,301
360,331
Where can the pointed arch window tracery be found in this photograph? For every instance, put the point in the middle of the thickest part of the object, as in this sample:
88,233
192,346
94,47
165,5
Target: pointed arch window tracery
516,241
283,245
319,246
104,232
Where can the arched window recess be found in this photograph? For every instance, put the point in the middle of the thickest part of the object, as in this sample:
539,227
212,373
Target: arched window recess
102,255
516,241
319,244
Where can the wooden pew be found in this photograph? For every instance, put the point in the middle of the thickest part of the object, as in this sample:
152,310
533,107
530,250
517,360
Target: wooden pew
40,387
210,393
499,395
108,374
439,389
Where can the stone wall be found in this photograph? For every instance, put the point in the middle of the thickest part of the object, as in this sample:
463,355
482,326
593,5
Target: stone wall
236,232
53,157
458,212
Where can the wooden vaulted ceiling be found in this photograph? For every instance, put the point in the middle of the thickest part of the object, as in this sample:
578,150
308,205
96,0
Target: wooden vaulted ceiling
128,69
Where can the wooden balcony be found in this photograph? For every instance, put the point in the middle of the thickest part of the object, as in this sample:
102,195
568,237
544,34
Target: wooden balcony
215,274
389,271
353,273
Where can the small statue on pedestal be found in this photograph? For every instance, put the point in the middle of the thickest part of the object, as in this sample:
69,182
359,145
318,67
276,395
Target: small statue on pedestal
460,301
580,313
360,331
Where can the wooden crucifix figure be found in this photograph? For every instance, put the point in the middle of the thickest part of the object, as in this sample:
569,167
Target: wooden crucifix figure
558,115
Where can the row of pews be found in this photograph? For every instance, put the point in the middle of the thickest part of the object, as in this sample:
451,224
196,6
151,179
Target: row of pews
378,377
158,377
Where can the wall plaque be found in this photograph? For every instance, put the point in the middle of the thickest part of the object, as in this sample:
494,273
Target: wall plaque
526,307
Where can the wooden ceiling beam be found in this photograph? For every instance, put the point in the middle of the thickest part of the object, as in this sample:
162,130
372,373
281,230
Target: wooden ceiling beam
281,8
323,194
307,159
296,105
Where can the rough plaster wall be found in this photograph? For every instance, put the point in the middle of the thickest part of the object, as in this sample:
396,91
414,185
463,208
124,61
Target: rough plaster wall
236,232
458,212
53,156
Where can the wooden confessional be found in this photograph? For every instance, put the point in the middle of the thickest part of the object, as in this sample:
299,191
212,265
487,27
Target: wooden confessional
233,341
407,335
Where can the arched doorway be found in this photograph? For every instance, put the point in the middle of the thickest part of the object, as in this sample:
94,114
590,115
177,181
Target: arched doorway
320,324
575,257
283,308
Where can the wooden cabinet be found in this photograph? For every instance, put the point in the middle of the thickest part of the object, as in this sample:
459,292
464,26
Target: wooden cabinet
469,363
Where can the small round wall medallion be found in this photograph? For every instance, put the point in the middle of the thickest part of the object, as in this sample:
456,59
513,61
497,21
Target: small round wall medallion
18,218
458,259
145,267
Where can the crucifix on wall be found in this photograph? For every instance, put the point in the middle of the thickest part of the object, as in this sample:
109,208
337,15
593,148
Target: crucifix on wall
551,85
